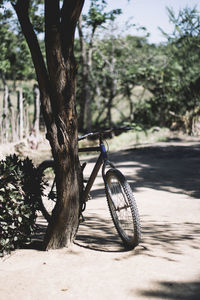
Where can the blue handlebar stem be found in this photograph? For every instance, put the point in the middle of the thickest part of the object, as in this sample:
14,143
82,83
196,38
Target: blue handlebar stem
103,150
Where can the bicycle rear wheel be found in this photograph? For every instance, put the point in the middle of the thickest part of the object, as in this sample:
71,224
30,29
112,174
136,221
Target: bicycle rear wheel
123,208
49,196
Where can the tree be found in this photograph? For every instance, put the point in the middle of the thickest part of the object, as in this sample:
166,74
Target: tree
107,73
56,79
179,77
171,74
96,18
118,63
6,37
15,58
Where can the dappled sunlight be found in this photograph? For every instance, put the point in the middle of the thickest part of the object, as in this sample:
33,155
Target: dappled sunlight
168,240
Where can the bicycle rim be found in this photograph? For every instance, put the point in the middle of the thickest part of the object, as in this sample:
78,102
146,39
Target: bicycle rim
123,208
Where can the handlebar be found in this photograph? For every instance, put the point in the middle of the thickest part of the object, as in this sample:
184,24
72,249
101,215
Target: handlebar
100,133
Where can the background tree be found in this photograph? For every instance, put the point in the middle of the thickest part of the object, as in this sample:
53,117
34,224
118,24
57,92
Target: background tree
176,83
118,66
15,61
88,24
185,43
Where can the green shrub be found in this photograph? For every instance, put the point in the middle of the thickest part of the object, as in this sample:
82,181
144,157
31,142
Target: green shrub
19,191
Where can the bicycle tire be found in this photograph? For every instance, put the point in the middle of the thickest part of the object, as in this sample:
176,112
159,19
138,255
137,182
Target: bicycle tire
48,198
123,208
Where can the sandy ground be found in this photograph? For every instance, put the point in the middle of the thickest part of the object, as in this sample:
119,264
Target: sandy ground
166,264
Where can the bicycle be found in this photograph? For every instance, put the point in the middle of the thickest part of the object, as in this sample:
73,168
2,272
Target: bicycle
120,198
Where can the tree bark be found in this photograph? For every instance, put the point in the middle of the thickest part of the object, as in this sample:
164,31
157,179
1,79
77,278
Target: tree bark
57,89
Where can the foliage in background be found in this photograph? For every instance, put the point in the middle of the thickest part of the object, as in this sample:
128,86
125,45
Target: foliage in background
15,58
116,64
175,81
6,37
20,188
89,27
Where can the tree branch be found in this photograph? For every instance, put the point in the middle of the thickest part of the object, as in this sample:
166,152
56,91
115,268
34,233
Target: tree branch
52,35
52,23
70,14
22,10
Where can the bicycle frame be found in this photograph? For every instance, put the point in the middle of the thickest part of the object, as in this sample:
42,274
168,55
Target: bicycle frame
102,160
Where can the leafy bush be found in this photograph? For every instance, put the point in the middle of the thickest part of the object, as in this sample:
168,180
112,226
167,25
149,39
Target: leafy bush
19,191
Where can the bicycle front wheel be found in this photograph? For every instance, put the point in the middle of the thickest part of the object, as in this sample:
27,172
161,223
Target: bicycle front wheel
123,208
48,198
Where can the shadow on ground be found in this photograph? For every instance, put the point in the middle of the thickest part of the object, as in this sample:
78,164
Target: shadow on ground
157,167
172,238
168,239
38,236
161,167
173,290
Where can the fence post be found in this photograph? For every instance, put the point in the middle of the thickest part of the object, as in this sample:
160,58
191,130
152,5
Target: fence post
20,112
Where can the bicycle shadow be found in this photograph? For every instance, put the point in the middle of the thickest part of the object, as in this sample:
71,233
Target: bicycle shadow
159,239
98,233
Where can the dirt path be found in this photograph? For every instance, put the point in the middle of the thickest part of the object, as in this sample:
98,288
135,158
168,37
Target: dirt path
166,265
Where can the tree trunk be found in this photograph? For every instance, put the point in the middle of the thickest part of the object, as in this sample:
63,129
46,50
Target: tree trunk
128,94
112,91
111,79
84,75
36,121
85,117
131,118
57,90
